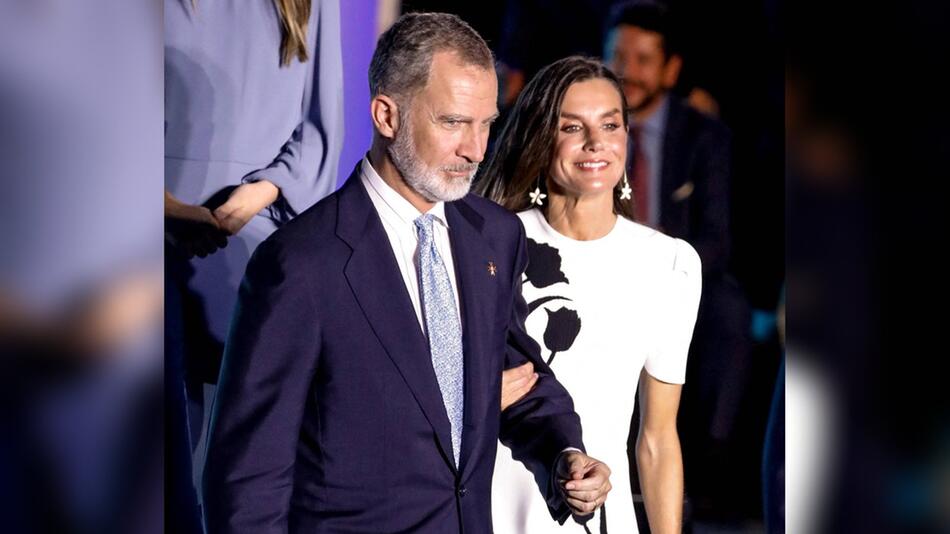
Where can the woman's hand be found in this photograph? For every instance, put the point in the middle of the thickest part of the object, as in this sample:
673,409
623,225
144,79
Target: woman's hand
246,201
192,229
516,383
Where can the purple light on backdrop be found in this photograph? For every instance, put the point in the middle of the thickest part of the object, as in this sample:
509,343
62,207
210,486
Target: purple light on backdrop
358,32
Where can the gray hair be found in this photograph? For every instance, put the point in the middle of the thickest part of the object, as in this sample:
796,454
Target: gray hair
403,56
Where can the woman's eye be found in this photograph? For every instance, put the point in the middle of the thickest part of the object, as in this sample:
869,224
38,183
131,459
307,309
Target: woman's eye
570,128
611,126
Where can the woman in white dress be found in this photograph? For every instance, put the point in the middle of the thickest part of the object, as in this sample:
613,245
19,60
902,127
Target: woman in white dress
612,303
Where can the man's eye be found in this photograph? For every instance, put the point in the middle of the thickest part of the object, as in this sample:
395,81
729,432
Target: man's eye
611,126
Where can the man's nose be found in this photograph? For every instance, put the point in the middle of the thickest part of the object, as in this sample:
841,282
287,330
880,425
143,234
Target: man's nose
472,146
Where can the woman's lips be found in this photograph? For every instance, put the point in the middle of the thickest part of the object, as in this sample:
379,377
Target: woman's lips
592,165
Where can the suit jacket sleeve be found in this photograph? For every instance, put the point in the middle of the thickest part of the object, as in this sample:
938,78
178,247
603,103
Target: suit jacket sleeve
270,357
710,225
542,424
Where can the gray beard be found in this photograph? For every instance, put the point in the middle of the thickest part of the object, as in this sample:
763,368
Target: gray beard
420,178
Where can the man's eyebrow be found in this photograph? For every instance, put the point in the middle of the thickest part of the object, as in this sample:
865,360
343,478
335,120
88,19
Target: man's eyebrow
454,117
492,119
465,118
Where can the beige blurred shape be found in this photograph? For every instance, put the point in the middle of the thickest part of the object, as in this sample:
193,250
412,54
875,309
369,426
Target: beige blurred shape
114,314
703,101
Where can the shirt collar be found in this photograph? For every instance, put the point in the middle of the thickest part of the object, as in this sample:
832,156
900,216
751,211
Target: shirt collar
653,124
395,207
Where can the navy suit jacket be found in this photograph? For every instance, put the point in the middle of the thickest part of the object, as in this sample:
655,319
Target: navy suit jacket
328,416
694,187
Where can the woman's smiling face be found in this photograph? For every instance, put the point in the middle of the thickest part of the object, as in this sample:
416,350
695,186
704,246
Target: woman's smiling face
590,148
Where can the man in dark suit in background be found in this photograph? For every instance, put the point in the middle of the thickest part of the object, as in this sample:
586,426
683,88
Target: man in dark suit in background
360,389
680,168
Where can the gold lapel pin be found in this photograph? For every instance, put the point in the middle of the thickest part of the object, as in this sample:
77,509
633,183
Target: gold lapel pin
491,268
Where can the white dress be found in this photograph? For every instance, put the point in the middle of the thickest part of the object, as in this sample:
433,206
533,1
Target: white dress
601,311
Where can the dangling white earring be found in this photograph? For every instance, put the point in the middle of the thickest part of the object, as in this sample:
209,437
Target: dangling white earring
536,196
625,190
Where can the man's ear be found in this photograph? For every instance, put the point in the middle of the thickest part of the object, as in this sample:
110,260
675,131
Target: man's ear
385,114
671,71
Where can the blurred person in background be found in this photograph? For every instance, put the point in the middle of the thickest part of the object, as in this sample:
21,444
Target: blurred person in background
679,165
80,281
612,302
829,312
253,133
531,36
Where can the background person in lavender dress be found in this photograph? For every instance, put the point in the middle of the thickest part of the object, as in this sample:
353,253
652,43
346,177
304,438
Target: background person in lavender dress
611,302
253,133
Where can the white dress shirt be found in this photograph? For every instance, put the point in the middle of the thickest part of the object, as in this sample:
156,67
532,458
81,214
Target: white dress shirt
653,130
398,216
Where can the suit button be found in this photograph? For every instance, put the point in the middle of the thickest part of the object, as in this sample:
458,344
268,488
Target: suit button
462,491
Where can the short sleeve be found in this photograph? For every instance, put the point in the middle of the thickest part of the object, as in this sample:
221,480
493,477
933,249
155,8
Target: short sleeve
679,304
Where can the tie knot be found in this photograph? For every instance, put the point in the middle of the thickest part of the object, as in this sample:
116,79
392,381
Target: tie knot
424,226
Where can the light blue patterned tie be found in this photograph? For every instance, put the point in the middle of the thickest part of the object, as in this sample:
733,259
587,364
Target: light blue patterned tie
445,330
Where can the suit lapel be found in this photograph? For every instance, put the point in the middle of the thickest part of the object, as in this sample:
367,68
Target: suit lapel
378,286
478,295
674,175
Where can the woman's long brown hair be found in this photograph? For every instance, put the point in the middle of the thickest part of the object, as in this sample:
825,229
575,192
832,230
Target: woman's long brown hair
525,146
294,15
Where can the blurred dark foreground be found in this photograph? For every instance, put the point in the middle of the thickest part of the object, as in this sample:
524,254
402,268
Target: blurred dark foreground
81,418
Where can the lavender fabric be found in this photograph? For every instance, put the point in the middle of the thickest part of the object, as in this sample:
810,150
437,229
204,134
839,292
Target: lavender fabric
233,114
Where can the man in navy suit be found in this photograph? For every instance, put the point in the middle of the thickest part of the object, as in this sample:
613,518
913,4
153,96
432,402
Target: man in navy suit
685,154
360,390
